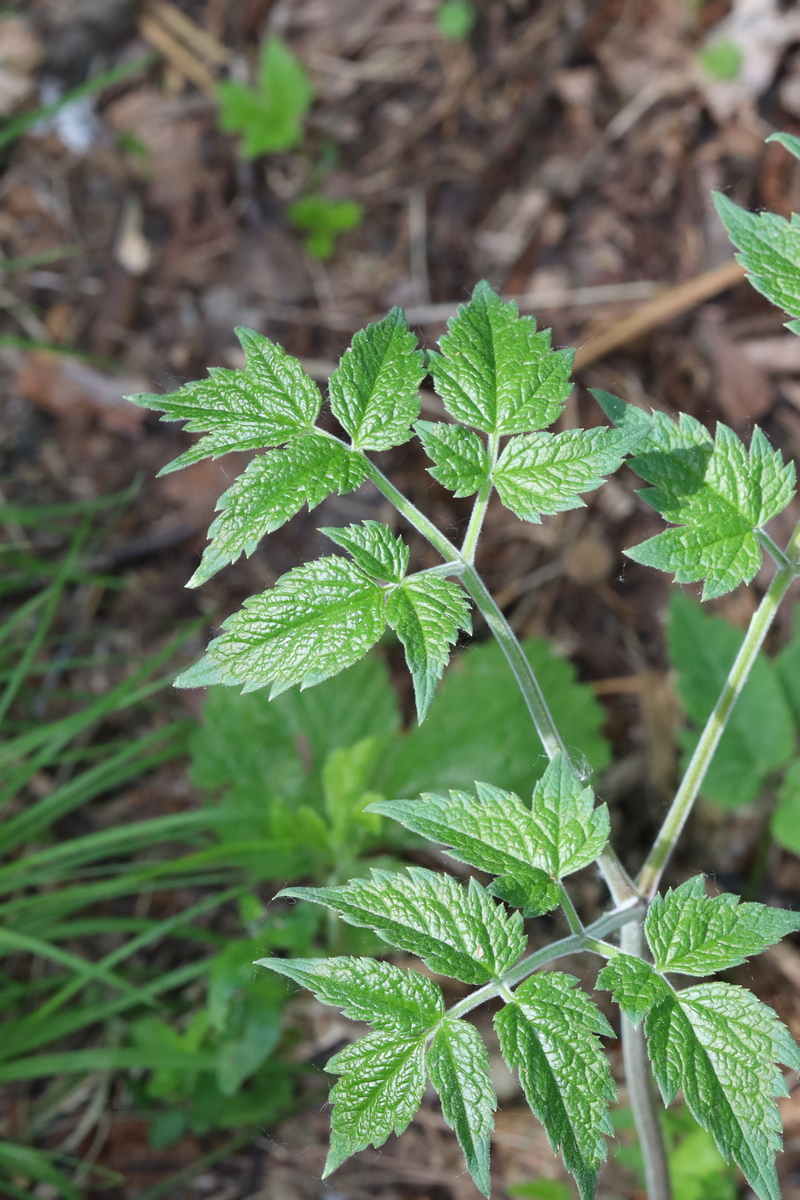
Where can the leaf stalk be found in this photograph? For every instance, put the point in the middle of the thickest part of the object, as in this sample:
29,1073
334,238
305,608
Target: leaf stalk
588,940
641,1090
650,874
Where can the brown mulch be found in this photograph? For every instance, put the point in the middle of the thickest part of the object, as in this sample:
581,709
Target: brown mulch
565,146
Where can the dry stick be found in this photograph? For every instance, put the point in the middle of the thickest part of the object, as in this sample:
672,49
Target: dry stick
662,308
189,32
183,60
577,297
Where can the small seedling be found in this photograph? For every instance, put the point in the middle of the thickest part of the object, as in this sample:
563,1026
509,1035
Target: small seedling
722,60
455,19
269,116
502,386
322,220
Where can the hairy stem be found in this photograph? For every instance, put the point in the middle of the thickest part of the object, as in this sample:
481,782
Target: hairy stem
412,514
650,874
588,940
641,1090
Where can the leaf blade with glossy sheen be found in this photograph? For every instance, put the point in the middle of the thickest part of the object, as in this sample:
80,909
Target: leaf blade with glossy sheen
461,463
317,620
427,612
458,931
550,1034
367,989
373,391
268,403
539,474
720,1045
691,933
493,831
573,831
635,985
374,547
270,491
496,372
459,1068
380,1087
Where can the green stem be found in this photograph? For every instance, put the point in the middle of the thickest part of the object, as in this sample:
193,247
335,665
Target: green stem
412,514
574,921
588,940
641,1091
619,885
617,880
774,551
481,504
650,874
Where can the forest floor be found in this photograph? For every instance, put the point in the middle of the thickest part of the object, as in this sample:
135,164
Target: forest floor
565,146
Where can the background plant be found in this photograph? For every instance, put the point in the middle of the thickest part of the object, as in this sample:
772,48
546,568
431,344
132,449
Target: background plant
498,377
84,997
270,118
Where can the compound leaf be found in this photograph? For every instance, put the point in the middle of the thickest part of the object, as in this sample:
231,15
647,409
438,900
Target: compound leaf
541,473
382,1079
715,492
458,931
373,391
550,1034
720,1044
271,490
270,118
317,620
459,1068
694,934
572,831
426,612
266,404
374,547
366,989
496,372
461,463
493,831
770,251
635,986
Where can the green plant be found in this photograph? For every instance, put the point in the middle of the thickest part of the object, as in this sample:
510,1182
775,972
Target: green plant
502,385
759,749
721,59
269,116
322,220
72,874
455,19
697,1169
